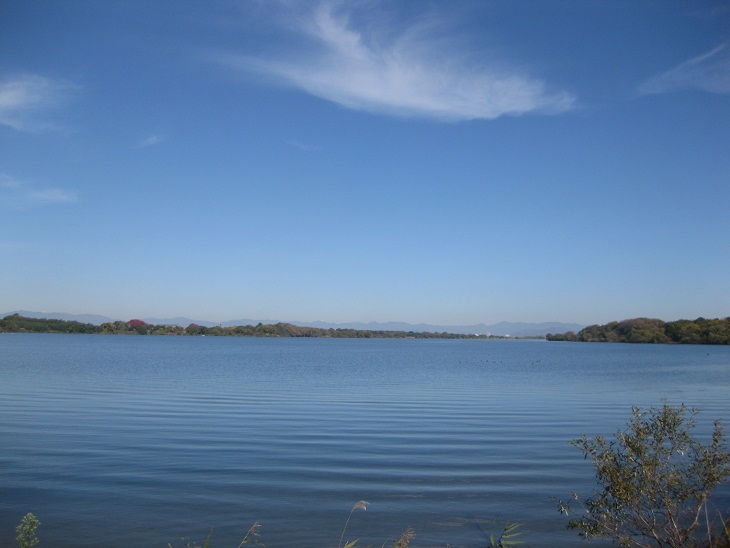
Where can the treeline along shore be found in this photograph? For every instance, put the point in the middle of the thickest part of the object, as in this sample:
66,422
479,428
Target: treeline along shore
649,330
16,323
637,330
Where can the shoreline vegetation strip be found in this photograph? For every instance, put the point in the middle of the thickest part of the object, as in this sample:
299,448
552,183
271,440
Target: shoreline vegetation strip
16,323
637,330
650,330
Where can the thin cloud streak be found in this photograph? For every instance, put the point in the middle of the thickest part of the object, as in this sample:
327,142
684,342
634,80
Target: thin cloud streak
50,196
708,72
19,195
302,146
23,97
151,140
415,74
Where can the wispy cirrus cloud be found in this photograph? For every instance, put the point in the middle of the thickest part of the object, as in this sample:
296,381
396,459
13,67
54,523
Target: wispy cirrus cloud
414,71
708,72
151,140
301,145
18,194
24,99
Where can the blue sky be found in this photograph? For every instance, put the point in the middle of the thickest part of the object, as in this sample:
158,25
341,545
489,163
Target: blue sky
444,162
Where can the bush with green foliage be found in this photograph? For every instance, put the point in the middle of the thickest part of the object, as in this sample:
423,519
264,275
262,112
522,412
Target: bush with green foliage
26,531
655,481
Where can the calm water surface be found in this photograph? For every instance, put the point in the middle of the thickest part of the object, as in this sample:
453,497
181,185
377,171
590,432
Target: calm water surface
139,441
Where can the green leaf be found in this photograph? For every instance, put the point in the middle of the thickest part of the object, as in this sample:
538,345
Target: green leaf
208,539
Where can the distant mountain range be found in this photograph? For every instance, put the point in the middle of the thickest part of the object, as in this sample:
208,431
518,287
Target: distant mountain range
514,329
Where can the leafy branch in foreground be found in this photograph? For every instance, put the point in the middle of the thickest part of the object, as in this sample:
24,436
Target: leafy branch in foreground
655,481
507,538
26,531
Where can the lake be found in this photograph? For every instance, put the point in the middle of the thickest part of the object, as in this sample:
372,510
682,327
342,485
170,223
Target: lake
139,441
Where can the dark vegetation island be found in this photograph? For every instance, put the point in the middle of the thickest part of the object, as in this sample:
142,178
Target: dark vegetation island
649,330
16,323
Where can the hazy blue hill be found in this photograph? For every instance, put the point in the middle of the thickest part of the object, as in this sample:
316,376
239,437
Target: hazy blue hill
179,320
498,329
246,321
521,329
94,319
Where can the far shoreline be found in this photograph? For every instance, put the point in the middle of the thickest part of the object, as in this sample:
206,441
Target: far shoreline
16,323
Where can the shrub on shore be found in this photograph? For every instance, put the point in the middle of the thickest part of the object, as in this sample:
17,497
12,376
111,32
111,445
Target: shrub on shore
655,480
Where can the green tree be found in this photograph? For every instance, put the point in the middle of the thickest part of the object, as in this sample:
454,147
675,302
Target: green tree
684,331
195,329
641,330
655,481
